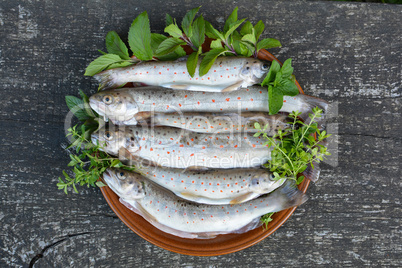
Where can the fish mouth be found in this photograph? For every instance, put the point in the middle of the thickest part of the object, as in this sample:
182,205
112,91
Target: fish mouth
110,180
98,106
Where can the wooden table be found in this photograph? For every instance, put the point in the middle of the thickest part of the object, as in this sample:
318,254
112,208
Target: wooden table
346,53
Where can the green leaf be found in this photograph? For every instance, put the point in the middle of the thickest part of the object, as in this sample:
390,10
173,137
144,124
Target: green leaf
216,44
178,53
211,32
247,49
289,88
273,70
250,38
230,20
275,100
287,68
115,45
259,29
100,184
77,107
119,65
169,45
209,59
156,40
268,43
139,37
192,62
101,63
247,28
168,19
188,20
233,27
174,30
198,29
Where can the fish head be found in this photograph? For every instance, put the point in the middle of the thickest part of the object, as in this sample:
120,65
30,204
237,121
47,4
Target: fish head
128,185
263,183
116,104
254,71
112,139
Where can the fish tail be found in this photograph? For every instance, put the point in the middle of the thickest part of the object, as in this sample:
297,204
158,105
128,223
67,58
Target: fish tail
287,196
312,172
308,103
108,79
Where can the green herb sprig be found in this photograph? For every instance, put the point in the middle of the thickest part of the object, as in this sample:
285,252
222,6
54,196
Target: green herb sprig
145,45
88,161
295,149
281,82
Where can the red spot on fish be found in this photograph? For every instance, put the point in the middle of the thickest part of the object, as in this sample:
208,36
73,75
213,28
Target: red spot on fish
150,202
284,100
196,78
253,145
160,73
168,69
209,78
179,104
182,181
192,182
221,76
154,67
185,96
260,92
153,103
228,185
191,154
198,103
181,145
203,147
235,146
151,149
221,146
221,191
238,98
167,106
195,213
147,72
184,72
213,100
168,152
227,99
228,76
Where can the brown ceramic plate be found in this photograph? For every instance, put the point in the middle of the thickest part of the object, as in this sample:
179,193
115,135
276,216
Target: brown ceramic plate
222,244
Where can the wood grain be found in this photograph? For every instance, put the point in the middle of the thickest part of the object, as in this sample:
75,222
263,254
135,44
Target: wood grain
349,54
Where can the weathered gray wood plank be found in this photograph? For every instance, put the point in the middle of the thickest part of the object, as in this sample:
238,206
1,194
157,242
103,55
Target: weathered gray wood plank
349,54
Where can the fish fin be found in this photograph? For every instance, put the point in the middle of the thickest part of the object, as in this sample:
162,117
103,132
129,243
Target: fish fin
141,116
233,87
312,173
250,226
137,208
173,86
286,196
308,103
195,168
109,79
243,198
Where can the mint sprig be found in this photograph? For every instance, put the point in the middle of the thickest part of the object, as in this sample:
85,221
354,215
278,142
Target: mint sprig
280,82
192,32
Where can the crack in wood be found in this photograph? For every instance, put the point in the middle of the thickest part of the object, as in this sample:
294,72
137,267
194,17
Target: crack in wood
46,248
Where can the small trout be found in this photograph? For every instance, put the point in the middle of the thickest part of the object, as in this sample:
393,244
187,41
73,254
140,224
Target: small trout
179,148
220,122
182,218
226,74
126,105
214,187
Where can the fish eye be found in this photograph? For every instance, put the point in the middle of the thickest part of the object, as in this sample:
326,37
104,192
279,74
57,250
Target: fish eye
265,66
108,135
108,99
248,68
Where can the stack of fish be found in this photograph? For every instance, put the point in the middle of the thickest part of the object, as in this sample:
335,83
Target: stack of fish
198,165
